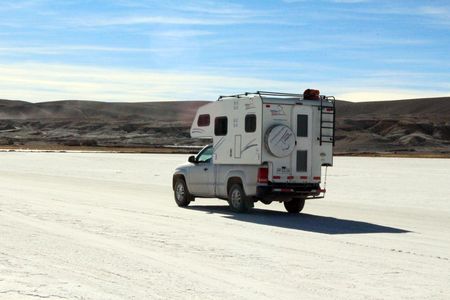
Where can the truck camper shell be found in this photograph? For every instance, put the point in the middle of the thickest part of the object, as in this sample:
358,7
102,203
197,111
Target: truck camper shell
292,134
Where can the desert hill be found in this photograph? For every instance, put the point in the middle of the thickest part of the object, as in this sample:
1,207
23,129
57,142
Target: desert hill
413,107
91,123
416,125
180,111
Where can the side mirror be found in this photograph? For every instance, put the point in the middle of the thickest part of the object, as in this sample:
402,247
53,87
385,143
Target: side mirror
191,159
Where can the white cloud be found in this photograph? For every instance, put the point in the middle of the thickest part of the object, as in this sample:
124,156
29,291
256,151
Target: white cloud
131,20
435,11
432,14
335,1
350,1
385,94
49,50
46,82
439,14
17,5
229,10
142,20
183,33
367,41
39,82
205,13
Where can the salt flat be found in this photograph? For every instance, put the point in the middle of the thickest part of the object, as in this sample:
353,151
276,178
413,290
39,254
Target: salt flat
105,226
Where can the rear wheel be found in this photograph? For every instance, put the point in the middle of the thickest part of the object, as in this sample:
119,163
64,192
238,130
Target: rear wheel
181,193
238,201
295,205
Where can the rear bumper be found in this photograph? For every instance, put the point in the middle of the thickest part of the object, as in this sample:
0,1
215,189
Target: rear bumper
279,191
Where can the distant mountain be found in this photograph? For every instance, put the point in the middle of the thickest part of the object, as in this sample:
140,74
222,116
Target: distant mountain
92,123
179,111
416,125
439,107
419,125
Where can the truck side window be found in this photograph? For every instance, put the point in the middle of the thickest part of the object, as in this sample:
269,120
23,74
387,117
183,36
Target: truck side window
250,123
203,120
302,125
205,155
220,126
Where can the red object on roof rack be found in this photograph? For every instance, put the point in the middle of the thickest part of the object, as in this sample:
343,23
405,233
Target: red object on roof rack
311,94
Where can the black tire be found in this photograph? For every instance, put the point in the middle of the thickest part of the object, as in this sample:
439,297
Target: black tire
266,202
295,205
181,193
238,201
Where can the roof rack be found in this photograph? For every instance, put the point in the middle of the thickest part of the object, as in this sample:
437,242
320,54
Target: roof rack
323,99
278,94
232,96
263,93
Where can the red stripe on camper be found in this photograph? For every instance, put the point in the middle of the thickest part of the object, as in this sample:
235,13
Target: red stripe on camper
303,177
290,177
276,177
316,177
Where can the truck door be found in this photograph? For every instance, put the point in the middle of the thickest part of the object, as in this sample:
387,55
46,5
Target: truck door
302,127
201,175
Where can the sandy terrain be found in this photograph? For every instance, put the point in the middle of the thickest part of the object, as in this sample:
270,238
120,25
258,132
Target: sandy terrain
105,226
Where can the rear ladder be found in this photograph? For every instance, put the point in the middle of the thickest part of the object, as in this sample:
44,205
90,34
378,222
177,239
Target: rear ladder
327,120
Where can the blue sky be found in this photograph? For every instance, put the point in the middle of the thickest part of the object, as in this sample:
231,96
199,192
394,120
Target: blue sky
129,50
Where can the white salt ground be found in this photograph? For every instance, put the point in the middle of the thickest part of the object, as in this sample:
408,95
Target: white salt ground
105,226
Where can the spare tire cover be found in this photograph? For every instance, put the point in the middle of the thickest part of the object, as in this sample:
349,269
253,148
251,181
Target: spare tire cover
280,140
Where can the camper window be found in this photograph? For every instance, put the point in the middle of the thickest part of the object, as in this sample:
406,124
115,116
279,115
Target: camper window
302,125
203,120
220,126
250,123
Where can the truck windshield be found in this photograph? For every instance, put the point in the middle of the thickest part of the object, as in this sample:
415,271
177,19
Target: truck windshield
205,155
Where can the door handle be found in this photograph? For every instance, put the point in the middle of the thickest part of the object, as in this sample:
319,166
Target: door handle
205,169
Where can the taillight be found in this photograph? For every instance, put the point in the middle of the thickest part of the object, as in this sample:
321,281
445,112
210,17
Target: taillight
263,175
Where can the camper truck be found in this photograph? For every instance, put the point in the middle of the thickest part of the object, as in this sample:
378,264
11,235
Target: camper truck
266,146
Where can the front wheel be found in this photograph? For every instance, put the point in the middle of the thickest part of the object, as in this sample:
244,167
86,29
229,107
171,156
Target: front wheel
181,193
239,202
295,205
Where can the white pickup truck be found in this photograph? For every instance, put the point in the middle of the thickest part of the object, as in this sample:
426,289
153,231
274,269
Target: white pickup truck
272,149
